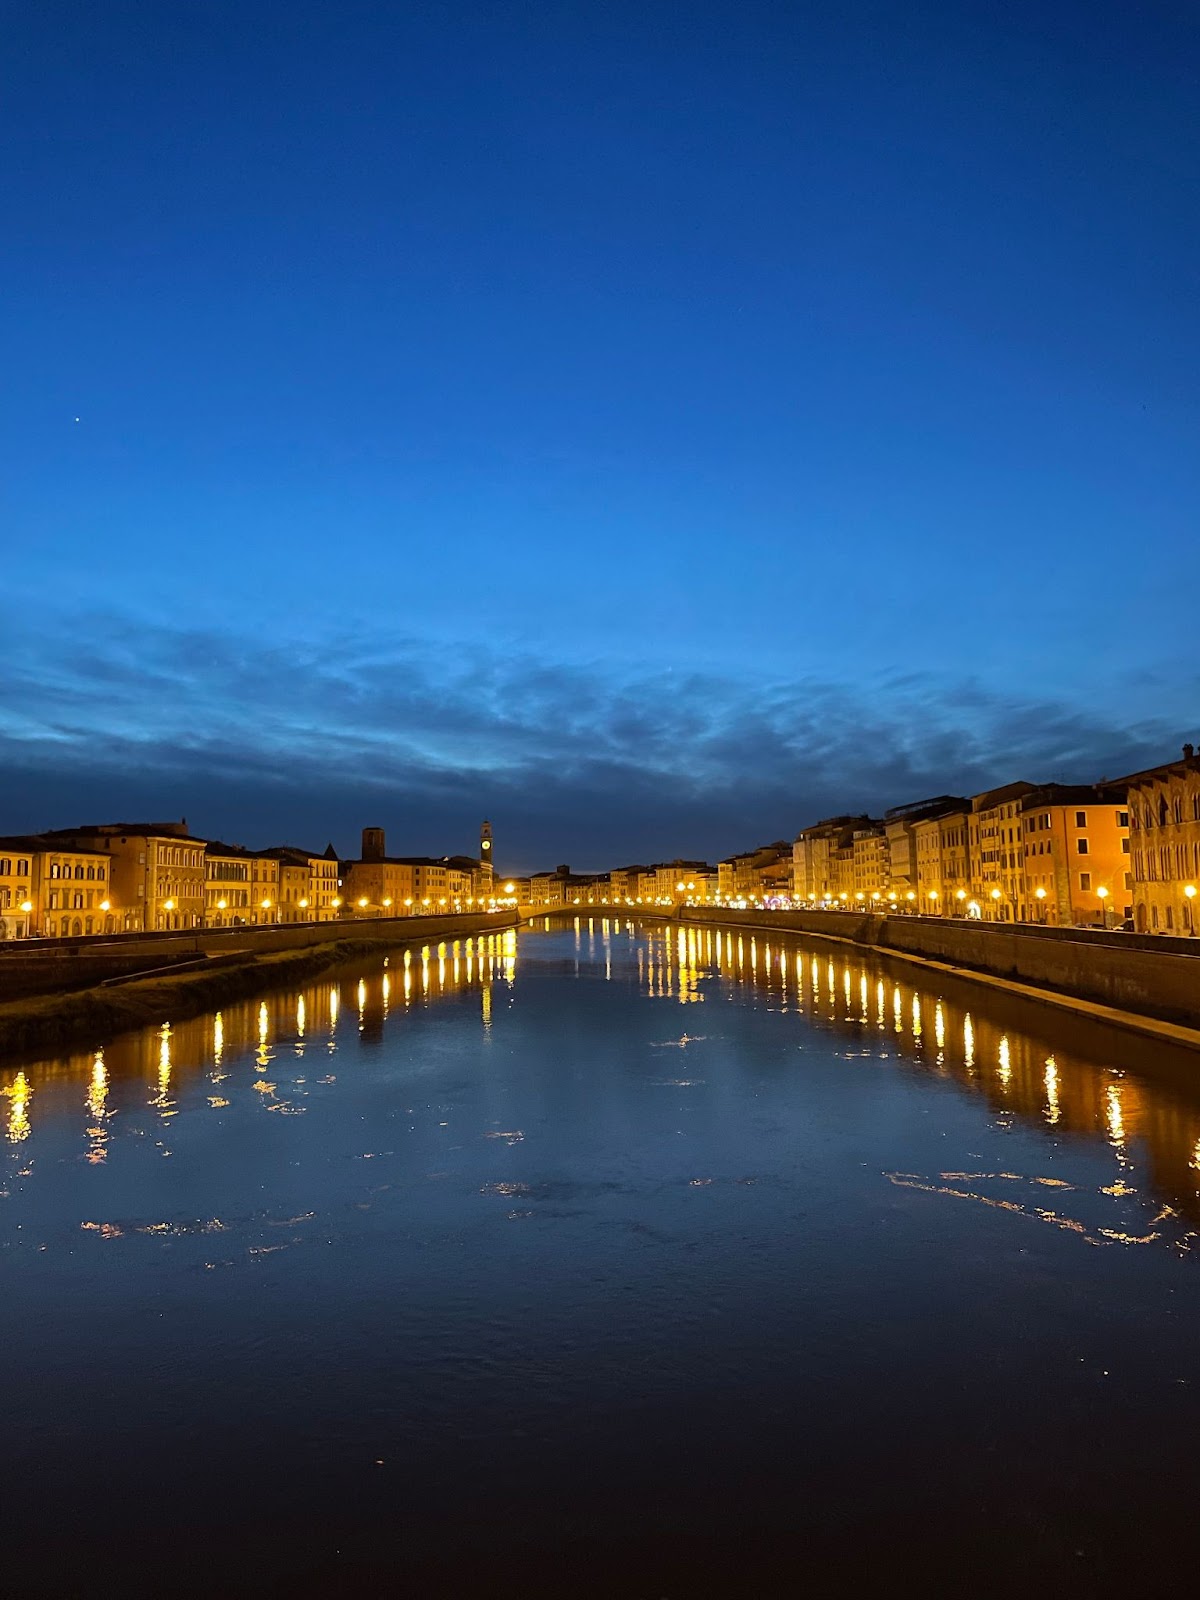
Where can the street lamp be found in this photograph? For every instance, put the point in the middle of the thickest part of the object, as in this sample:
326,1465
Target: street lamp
1040,895
996,903
960,896
1102,896
933,895
1189,890
362,904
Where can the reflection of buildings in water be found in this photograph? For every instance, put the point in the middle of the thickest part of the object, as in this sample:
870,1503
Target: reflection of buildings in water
1017,1073
252,1032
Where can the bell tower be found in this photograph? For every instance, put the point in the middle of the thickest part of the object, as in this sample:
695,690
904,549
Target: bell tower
485,847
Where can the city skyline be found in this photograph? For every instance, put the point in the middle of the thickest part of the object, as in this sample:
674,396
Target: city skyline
650,430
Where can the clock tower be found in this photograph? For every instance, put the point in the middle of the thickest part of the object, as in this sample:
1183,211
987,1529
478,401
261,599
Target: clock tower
485,848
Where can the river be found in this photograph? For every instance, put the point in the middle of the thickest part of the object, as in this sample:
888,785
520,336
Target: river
603,1258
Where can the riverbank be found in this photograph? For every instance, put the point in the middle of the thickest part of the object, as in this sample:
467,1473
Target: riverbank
88,1018
1144,990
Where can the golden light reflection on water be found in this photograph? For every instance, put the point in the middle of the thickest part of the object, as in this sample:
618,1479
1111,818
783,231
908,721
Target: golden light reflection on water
1050,1078
1050,1091
19,1095
97,1112
1152,1135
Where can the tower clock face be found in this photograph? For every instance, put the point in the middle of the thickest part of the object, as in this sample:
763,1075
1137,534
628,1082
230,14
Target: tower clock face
487,844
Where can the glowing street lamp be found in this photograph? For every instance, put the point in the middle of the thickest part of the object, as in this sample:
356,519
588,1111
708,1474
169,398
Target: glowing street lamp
1041,900
1102,896
362,904
106,905
1189,890
996,903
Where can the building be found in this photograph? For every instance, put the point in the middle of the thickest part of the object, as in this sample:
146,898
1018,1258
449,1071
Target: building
17,857
1075,845
996,855
761,874
157,873
316,897
53,890
942,853
226,885
869,863
1164,833
815,876
692,882
900,826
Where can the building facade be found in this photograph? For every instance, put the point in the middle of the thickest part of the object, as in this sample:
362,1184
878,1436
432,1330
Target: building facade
1164,832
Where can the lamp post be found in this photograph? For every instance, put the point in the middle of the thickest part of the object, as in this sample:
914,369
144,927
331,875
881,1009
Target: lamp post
1189,892
996,903
1102,896
933,896
960,895
1041,900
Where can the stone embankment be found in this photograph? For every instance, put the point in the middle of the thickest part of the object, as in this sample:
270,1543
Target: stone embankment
83,1000
1143,974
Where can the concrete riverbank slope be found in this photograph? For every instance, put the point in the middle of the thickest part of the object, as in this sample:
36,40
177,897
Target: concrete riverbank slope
1143,974
168,978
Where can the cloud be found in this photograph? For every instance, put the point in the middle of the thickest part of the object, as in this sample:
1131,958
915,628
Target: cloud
592,763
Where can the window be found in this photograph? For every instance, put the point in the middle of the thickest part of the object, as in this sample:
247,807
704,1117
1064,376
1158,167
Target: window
1081,847
1085,880
54,869
1125,847
1122,819
1081,819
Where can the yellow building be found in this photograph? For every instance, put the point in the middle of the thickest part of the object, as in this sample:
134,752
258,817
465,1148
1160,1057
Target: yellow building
1075,848
308,884
870,866
226,885
264,888
815,875
1164,821
73,893
996,855
940,846
157,876
756,875
17,907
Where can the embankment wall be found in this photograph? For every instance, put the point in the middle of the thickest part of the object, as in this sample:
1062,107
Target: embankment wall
1132,974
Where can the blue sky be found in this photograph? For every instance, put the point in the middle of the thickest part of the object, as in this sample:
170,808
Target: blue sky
651,426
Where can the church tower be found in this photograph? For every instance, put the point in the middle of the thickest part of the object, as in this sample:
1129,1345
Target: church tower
485,849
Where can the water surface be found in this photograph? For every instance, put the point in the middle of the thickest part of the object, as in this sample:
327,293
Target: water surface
608,1258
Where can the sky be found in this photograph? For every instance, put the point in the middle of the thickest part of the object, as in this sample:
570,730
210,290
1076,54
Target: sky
651,426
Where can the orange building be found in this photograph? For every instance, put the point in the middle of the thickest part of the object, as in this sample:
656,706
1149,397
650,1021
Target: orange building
1075,855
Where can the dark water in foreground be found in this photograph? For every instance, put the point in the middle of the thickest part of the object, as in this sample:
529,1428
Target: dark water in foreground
605,1260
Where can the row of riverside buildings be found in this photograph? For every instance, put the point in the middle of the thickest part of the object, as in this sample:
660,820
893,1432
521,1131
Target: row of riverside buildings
135,877
1120,852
